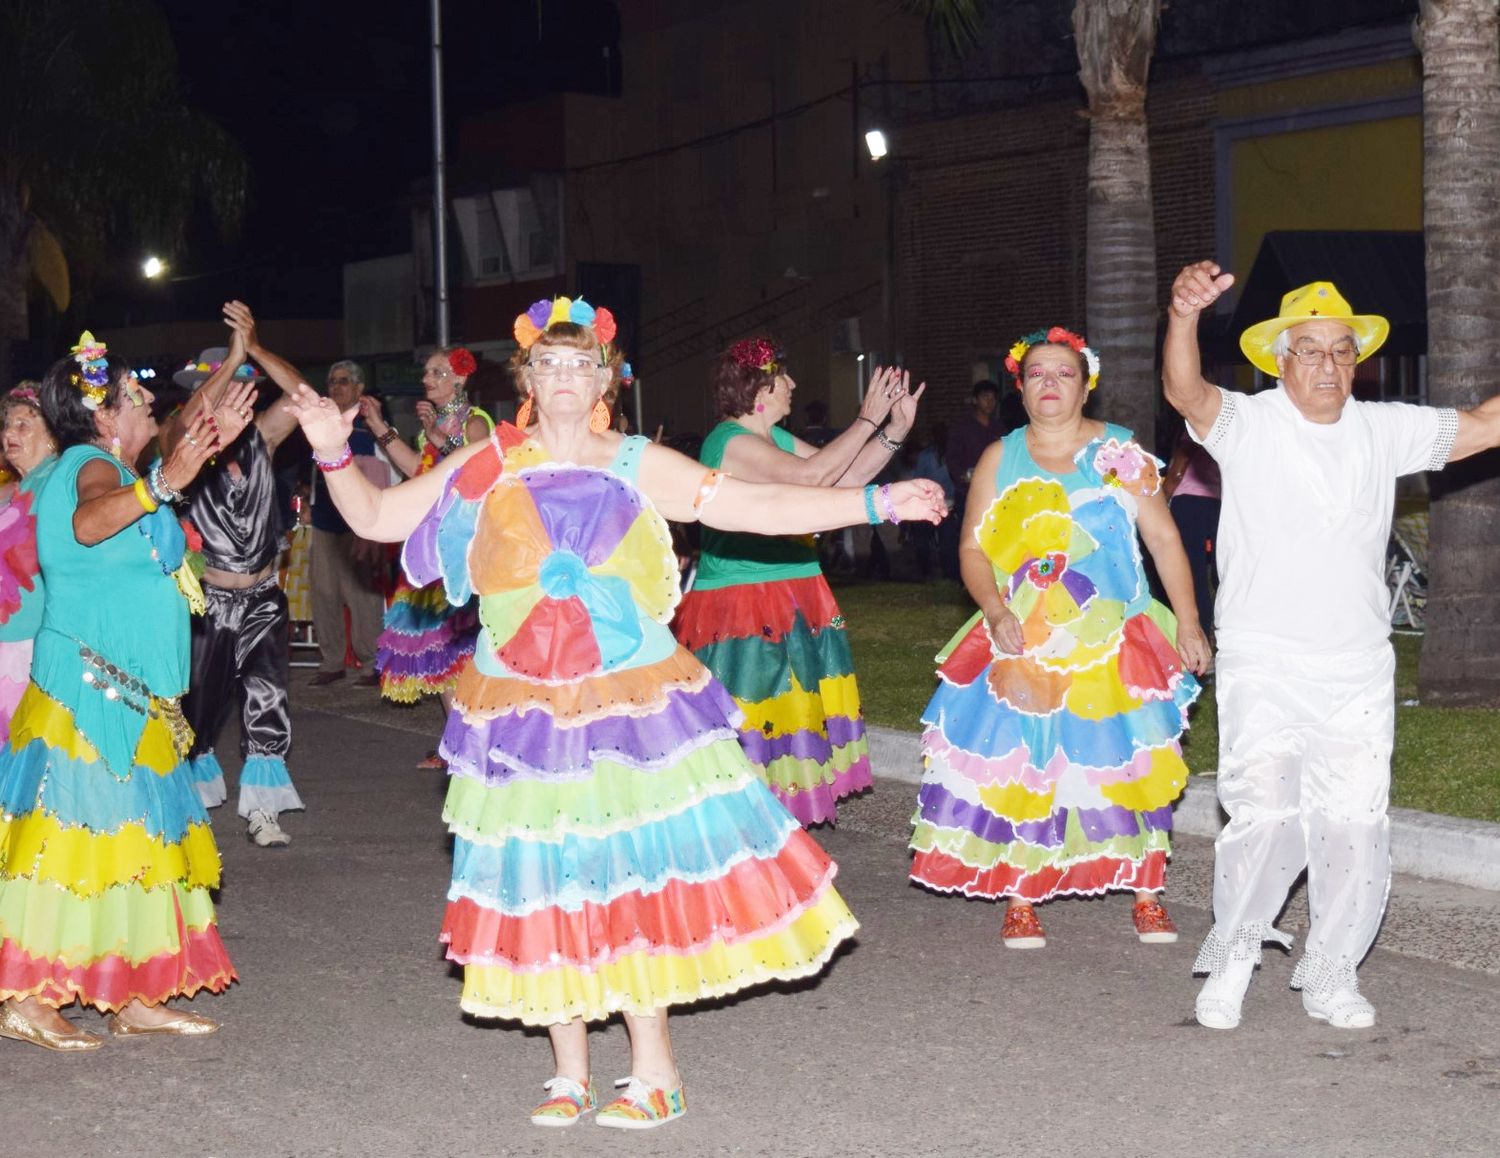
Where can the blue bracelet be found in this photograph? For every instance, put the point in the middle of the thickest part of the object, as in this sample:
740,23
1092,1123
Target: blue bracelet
870,505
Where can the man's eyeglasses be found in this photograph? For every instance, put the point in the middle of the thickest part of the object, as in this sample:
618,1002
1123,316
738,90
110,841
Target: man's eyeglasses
547,367
1342,353
345,381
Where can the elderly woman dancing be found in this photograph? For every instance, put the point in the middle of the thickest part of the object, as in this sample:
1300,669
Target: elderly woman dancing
614,851
760,615
1051,745
106,855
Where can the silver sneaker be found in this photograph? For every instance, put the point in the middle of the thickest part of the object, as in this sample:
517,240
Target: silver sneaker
265,832
1343,1009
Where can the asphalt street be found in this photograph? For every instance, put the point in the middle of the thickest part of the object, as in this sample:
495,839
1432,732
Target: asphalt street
926,1037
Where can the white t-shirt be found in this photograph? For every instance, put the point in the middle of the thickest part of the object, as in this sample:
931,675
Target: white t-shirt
1306,516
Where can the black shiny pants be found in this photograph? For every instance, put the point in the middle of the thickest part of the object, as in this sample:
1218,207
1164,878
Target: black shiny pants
240,648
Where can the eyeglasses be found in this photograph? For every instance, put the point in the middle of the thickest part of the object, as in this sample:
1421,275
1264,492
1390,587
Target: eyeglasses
341,381
1344,353
547,367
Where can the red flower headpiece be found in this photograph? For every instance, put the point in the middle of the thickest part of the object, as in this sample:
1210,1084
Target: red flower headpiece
757,354
461,362
1056,336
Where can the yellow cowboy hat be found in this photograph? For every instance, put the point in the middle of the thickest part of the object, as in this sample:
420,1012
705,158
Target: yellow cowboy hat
1316,301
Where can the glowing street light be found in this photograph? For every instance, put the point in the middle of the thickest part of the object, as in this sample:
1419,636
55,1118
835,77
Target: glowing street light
153,267
875,143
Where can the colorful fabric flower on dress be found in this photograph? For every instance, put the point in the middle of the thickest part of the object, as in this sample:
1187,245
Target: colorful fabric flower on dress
1056,336
757,354
564,557
18,562
462,362
1127,466
534,322
92,379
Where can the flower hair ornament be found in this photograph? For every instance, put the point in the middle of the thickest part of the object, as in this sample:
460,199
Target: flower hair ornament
462,362
534,322
1056,336
758,354
92,376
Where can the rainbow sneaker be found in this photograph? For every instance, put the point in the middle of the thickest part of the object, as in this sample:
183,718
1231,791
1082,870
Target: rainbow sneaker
640,1107
569,1102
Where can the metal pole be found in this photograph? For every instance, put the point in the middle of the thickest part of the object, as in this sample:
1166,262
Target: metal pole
635,390
439,180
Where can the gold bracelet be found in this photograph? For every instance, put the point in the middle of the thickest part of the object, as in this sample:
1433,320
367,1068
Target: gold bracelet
144,496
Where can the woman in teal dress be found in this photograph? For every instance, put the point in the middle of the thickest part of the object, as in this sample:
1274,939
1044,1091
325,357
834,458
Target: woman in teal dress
106,855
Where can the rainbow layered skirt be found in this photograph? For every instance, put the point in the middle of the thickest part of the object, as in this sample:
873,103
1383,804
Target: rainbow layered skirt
423,644
613,848
1053,772
781,651
106,855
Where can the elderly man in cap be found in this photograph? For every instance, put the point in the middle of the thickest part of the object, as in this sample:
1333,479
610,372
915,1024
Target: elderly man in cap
240,642
1306,673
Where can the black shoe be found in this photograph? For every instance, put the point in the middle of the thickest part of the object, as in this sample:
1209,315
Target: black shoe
325,677
371,679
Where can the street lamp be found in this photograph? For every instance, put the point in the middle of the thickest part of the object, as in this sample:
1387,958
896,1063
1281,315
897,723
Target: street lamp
875,143
153,267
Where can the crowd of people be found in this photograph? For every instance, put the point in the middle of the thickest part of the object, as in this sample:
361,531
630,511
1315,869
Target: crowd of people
633,771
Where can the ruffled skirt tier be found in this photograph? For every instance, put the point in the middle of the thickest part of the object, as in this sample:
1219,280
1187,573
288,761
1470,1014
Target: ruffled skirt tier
614,851
781,650
424,642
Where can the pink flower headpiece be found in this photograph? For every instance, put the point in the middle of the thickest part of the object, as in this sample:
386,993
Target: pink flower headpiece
757,354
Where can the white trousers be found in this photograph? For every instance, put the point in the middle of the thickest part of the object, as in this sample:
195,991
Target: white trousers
1305,775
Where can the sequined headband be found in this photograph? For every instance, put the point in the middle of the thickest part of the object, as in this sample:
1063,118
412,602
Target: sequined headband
534,322
1056,336
758,354
92,376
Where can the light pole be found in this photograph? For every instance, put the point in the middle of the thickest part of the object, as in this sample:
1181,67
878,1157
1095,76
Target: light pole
439,180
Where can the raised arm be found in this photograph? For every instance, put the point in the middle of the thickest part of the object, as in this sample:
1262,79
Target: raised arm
685,492
1195,289
274,423
1478,429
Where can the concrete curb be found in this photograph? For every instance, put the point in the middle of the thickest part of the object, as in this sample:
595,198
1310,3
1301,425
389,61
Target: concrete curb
1444,848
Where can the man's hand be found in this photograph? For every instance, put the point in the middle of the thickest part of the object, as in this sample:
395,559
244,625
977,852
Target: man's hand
1197,287
238,317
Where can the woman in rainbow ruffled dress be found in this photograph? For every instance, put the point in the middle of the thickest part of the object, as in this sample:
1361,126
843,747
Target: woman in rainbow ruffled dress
760,615
106,854
614,851
1052,744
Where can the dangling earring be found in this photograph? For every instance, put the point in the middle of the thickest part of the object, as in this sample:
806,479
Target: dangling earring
114,446
599,417
523,414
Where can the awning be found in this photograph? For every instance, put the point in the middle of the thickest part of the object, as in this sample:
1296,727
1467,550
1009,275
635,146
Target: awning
1378,272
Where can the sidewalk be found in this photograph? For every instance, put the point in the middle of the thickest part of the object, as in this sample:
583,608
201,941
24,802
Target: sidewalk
925,1037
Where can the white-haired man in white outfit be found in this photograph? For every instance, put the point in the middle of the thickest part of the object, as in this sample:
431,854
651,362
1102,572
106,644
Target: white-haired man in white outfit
1305,673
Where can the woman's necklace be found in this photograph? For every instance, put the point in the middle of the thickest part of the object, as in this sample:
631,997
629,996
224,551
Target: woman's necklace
454,405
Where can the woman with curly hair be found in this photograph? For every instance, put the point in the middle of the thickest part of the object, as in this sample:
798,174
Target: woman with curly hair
760,615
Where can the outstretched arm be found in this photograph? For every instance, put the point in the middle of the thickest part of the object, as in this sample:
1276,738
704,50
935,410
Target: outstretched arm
1478,429
1196,288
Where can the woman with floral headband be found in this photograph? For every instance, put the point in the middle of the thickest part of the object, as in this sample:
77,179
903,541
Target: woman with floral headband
106,855
614,851
1051,746
426,640
760,615
29,447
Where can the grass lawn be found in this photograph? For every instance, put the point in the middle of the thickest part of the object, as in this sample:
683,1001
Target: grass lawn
1447,759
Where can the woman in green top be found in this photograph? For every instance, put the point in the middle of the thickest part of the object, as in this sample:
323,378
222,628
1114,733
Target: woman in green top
760,615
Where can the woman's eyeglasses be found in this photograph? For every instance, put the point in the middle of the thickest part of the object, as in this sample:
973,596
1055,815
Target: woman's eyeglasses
547,367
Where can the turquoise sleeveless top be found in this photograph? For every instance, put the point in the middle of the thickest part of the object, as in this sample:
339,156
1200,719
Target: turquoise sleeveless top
730,558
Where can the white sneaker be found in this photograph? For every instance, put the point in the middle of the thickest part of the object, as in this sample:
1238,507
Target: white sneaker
1342,1009
1219,1001
265,832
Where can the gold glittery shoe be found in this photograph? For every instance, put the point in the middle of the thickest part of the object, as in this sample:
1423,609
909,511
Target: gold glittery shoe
185,1024
14,1025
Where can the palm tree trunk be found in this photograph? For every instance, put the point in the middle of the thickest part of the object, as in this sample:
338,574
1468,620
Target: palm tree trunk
1460,45
1115,40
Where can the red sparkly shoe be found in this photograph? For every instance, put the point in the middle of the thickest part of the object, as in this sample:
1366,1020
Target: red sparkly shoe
1022,930
1152,925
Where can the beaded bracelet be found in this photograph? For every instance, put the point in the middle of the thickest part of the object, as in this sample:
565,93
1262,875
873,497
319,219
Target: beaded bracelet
387,438
890,507
143,496
329,465
870,504
161,490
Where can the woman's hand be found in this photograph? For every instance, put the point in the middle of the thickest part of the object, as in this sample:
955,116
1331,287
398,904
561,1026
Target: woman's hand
904,412
238,317
235,411
1004,630
917,500
427,416
370,411
886,386
327,427
199,443
1193,647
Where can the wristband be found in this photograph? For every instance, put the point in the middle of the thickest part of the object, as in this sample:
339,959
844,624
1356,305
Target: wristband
890,507
893,447
143,496
384,440
329,465
870,504
871,421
